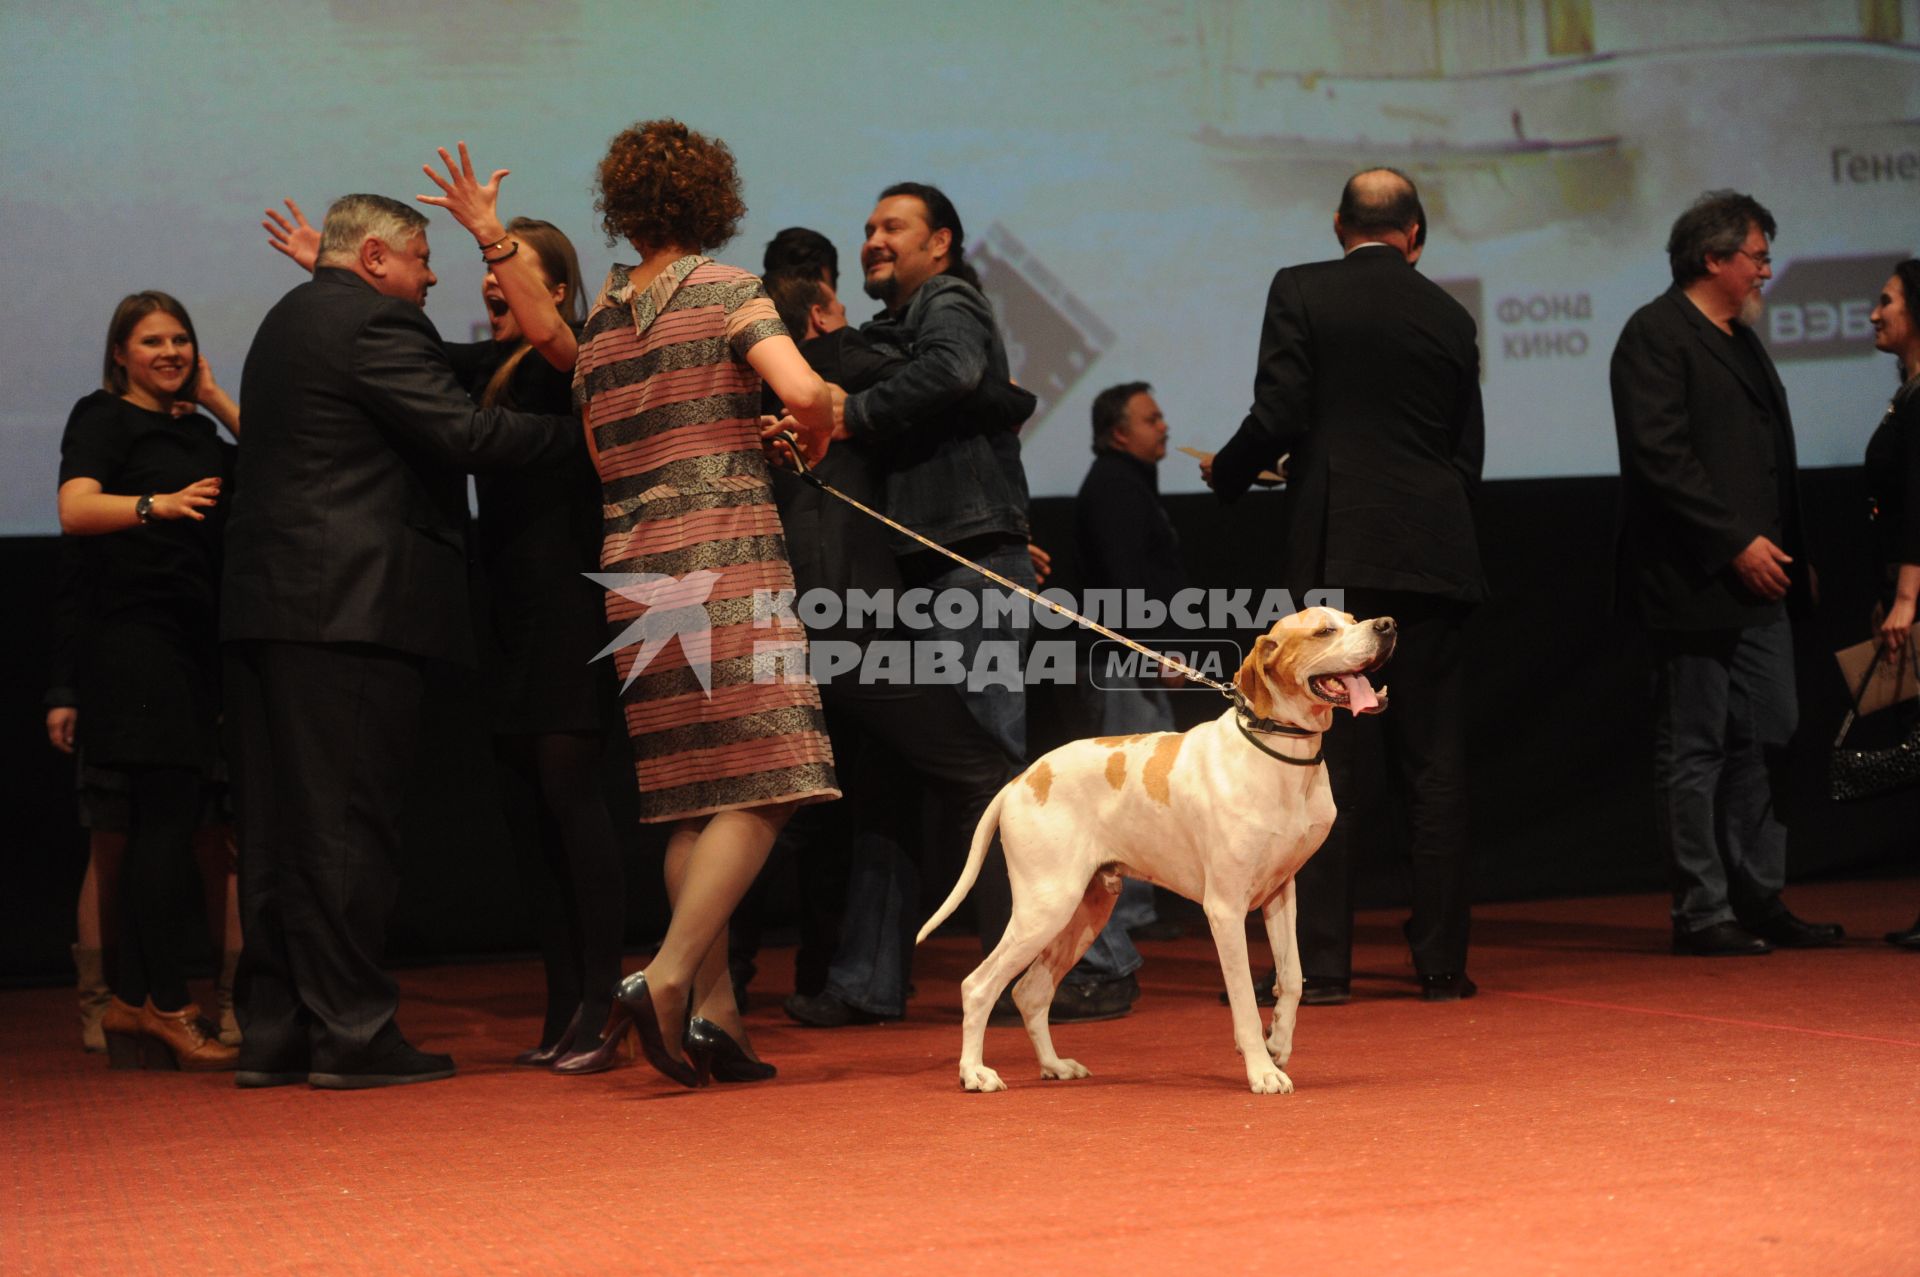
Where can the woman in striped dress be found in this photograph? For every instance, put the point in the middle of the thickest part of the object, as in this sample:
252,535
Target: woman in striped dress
726,725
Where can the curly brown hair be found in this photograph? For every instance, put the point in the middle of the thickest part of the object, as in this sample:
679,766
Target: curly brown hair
663,184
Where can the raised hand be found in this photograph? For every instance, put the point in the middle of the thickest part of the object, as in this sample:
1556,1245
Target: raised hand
297,239
472,204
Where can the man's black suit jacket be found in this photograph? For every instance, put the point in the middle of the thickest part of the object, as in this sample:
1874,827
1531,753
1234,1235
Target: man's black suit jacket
1369,375
349,512
1706,464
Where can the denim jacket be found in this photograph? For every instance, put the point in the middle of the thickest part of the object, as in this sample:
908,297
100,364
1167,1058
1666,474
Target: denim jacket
946,426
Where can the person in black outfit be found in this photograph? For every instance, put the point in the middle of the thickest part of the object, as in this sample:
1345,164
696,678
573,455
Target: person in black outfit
1893,477
346,573
1127,545
1711,560
539,535
141,477
889,733
1369,375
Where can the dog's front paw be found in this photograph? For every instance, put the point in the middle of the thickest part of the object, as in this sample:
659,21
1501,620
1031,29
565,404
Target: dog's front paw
1280,1048
1063,1070
980,1078
1269,1082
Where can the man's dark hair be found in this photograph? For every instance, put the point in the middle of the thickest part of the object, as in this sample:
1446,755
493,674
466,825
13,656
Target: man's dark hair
1374,207
1715,225
941,216
800,251
1110,410
794,293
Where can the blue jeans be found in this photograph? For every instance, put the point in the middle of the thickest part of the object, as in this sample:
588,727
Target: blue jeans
1143,705
870,968
1724,710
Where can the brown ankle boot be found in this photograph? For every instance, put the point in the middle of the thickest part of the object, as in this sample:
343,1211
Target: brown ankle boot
188,1041
120,1028
90,966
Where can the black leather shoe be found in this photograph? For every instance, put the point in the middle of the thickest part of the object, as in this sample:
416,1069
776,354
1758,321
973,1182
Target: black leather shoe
258,1079
725,1059
635,1000
395,1065
1315,992
1719,940
1784,931
1908,939
1451,987
825,1011
1262,990
1083,1001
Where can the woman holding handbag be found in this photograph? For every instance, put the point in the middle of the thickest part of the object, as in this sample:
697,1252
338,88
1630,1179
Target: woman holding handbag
1893,478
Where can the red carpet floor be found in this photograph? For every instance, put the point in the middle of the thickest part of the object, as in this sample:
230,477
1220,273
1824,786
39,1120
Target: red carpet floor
1600,1108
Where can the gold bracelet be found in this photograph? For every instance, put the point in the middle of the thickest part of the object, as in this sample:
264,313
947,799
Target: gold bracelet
488,248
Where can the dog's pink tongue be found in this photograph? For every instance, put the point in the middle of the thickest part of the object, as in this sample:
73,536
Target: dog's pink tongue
1359,692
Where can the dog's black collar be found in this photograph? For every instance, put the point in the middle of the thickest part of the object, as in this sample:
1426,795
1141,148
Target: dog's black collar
1248,725
1252,720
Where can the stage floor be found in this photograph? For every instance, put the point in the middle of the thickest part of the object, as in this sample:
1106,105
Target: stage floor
1601,1107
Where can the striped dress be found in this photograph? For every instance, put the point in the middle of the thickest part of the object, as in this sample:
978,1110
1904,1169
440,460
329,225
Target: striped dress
715,692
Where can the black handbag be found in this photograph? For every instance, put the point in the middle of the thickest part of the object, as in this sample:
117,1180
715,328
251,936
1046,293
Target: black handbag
1854,774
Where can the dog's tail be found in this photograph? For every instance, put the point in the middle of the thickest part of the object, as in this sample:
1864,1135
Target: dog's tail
976,856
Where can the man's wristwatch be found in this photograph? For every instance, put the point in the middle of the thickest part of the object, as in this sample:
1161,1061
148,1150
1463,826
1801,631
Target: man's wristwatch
143,508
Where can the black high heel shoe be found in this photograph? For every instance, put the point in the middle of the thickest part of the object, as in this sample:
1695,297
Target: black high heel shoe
611,1050
543,1056
714,1049
635,1000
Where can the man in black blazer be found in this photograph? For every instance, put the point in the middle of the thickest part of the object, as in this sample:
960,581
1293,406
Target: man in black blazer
1369,376
346,573
1710,558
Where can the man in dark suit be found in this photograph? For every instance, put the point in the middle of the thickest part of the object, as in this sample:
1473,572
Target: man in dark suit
1369,376
346,573
1710,557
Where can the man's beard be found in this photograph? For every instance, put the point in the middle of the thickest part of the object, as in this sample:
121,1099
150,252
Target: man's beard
1752,309
882,289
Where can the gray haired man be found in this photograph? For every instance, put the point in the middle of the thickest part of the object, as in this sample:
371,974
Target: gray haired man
345,578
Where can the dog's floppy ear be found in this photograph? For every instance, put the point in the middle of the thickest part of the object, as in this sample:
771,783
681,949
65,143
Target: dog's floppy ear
1248,682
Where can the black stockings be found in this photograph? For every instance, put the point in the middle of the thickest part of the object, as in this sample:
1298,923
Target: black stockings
570,862
151,962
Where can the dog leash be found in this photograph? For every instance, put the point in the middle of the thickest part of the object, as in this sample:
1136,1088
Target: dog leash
1247,721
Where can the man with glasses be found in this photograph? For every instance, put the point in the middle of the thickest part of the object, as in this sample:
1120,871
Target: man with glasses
1710,560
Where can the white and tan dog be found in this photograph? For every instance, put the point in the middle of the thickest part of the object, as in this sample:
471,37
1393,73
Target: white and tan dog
1224,814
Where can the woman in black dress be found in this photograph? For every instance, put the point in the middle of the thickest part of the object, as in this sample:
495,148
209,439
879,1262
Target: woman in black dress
538,535
1893,476
140,477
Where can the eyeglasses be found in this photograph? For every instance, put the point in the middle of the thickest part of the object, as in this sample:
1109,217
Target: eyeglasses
1763,260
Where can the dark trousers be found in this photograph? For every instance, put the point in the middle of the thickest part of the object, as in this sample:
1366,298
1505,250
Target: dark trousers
911,732
1418,746
321,740
1724,713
